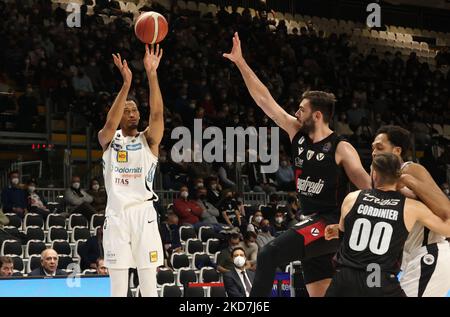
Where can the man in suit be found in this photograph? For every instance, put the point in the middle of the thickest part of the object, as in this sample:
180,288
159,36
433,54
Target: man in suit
49,265
238,282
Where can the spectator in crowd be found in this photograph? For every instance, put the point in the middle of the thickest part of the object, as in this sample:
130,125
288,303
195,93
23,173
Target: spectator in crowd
224,261
187,210
250,248
4,221
257,180
279,224
49,265
254,225
214,191
14,199
210,213
285,176
93,249
36,204
78,200
230,211
100,267
355,114
6,266
170,234
226,172
265,236
292,210
99,196
342,127
238,281
364,133
28,110
82,84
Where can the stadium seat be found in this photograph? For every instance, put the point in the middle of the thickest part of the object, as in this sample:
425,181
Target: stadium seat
216,291
187,232
179,260
33,263
80,233
89,272
204,233
77,220
64,261
12,230
185,276
11,247
62,247
96,221
194,292
34,247
212,246
164,276
171,290
33,220
57,233
18,263
201,259
79,245
35,233
55,220
193,246
14,220
208,275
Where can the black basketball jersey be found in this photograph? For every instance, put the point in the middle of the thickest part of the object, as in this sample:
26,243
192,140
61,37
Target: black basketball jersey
375,231
320,183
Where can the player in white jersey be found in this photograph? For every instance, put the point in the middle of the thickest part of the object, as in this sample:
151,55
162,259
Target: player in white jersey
130,234
426,256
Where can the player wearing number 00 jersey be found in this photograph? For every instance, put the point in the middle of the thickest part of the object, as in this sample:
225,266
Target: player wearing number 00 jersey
374,225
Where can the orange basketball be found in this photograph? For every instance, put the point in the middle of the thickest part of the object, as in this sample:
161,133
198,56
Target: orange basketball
151,27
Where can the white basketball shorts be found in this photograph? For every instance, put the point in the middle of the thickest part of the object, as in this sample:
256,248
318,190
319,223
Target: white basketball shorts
427,274
131,238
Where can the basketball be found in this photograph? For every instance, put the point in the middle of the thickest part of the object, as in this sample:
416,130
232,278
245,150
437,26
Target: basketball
151,27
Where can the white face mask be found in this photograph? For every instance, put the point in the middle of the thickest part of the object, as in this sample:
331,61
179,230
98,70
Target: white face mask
76,185
199,185
258,219
213,186
239,261
15,181
279,219
184,195
31,189
95,187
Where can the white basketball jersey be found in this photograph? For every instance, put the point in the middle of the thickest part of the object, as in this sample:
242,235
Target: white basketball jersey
129,169
418,236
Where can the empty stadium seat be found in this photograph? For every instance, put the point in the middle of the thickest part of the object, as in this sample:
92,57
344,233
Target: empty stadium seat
89,272
35,233
57,233
185,276
33,220
179,260
12,230
62,247
33,263
34,247
193,246
171,290
212,246
96,221
194,292
18,263
55,220
164,276
64,261
216,291
187,232
80,233
201,259
205,232
79,245
14,220
77,220
11,247
208,275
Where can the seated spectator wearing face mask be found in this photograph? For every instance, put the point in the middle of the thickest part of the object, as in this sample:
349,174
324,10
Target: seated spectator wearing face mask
238,281
214,192
224,260
251,249
254,225
14,199
265,236
35,203
279,224
188,211
78,200
99,195
230,210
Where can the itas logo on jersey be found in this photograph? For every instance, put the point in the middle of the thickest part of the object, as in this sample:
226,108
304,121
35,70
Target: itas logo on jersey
307,187
153,256
134,147
122,156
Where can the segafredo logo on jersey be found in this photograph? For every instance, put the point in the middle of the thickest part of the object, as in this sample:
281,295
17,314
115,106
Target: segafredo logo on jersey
305,185
381,202
256,150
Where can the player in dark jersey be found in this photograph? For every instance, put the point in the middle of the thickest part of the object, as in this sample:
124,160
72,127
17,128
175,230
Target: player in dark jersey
323,162
375,224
